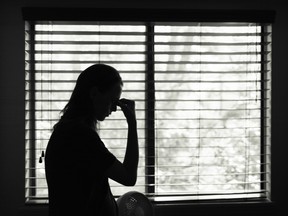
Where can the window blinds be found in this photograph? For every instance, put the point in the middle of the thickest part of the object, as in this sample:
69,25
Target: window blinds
211,92
202,94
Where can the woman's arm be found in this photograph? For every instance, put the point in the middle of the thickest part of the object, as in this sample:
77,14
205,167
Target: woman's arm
126,173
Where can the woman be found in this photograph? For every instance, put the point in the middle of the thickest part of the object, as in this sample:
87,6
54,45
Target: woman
77,163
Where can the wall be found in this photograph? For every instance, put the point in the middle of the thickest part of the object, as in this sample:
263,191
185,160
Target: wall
12,97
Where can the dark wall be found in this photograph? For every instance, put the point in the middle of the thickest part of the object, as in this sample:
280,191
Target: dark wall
12,95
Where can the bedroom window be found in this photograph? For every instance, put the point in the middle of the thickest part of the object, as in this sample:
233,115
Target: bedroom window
202,90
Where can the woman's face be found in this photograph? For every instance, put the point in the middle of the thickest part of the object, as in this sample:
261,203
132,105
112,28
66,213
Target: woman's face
105,103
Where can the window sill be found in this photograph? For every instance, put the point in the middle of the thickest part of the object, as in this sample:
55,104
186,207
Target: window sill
184,208
251,207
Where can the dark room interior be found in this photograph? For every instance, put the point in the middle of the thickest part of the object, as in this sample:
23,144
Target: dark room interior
13,188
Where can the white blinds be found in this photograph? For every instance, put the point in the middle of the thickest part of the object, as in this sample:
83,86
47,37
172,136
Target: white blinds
211,89
202,92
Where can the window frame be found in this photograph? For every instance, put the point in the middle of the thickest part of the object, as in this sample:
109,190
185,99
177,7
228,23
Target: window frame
156,15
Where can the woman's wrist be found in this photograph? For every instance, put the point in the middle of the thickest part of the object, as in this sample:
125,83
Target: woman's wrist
132,123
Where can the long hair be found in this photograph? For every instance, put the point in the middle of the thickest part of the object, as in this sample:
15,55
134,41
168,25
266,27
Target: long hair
104,77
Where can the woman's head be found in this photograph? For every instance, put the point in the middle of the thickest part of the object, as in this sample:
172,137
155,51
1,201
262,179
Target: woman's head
97,90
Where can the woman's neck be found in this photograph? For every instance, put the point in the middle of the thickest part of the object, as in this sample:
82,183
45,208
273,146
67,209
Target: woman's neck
83,120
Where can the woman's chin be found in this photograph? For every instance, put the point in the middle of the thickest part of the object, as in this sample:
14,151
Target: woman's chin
102,118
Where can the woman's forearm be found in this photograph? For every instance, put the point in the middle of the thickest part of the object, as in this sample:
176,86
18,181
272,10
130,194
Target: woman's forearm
132,151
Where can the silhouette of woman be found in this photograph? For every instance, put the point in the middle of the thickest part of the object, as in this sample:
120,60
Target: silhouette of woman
77,163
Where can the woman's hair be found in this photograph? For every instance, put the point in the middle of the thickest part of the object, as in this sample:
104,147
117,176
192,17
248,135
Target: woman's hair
102,76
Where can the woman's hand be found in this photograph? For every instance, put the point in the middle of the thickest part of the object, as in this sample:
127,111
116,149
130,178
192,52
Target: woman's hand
128,108
126,173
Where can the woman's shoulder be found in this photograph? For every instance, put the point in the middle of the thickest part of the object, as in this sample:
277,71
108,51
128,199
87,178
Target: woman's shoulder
73,133
74,128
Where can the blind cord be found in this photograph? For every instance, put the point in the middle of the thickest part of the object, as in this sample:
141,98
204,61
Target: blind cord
41,106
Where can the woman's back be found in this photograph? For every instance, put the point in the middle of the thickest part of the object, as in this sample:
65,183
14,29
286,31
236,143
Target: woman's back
75,163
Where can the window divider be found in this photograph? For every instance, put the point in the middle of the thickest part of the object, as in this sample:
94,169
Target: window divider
150,112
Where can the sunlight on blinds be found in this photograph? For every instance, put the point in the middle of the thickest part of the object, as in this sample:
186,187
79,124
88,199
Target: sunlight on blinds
62,51
208,110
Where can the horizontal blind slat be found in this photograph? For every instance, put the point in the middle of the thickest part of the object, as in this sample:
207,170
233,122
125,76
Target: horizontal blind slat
202,53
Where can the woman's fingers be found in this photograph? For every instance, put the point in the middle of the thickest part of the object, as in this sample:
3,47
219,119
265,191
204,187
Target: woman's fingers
125,103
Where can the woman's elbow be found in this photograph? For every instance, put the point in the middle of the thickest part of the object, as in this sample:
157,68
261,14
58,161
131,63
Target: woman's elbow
130,181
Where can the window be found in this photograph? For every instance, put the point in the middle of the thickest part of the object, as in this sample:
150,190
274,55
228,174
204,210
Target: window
202,90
